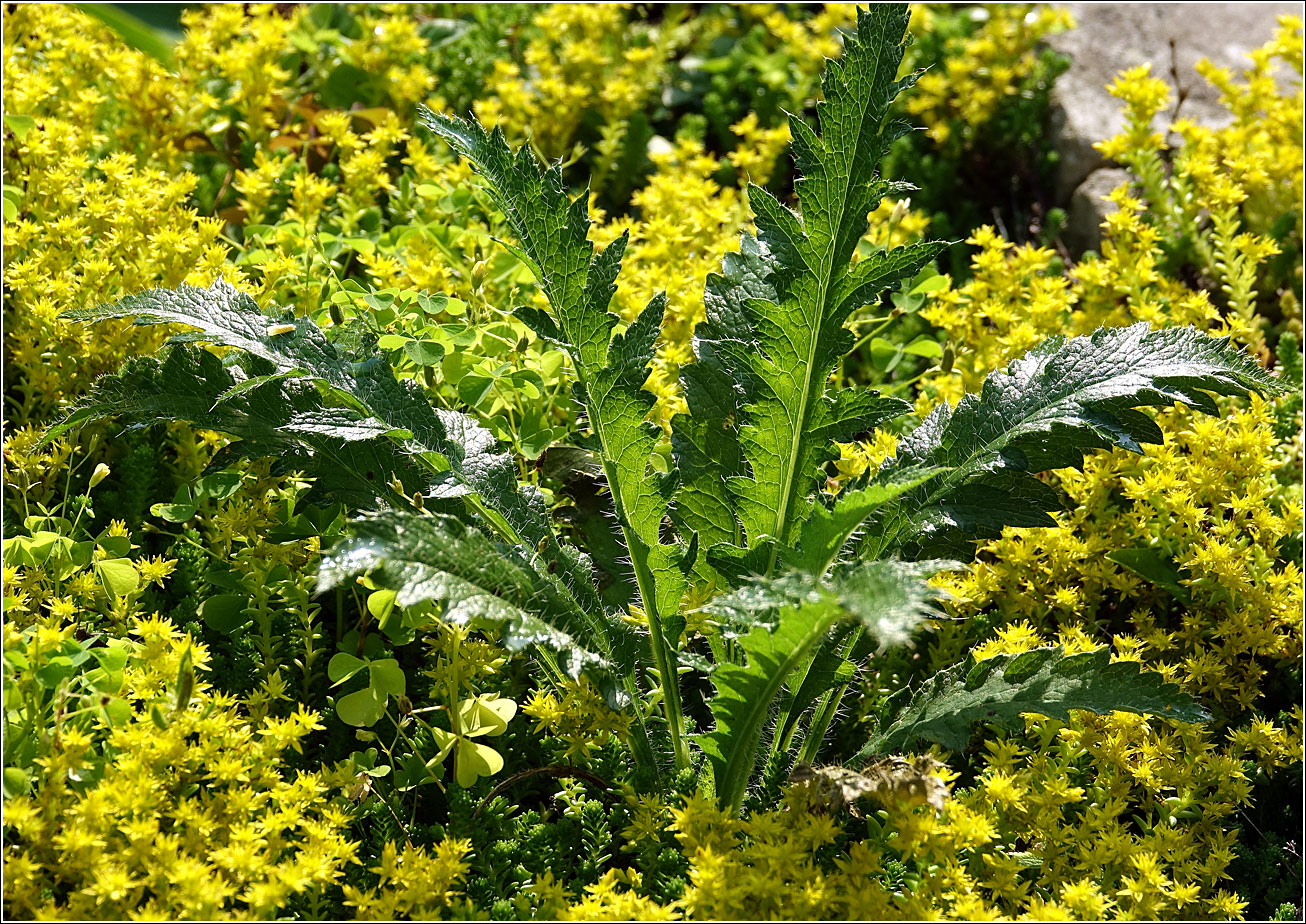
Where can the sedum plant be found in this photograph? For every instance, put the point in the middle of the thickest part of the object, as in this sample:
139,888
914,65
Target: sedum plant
793,586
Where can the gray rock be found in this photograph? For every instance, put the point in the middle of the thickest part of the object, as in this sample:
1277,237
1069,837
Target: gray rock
1112,37
1089,208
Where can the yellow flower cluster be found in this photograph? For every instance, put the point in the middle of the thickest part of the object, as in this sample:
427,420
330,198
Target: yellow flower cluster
587,61
580,717
1084,820
89,230
57,592
391,47
185,810
414,885
1018,296
982,70
1141,818
1207,506
1222,191
686,221
811,40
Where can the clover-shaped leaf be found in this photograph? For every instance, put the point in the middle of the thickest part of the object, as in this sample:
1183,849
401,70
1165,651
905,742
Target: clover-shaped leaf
361,708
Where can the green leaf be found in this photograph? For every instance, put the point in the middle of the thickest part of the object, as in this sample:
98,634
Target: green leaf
362,708
890,598
225,613
111,659
424,352
341,417
776,314
219,486
118,711
131,30
479,582
20,125
924,346
342,666
1061,400
174,513
485,715
118,575
931,283
551,231
474,760
387,677
830,527
534,442
55,670
1155,566
1045,681
414,772
16,782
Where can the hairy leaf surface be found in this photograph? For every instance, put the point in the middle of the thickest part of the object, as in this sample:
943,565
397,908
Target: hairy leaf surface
776,313
552,233
478,581
890,598
345,409
1062,399
1001,689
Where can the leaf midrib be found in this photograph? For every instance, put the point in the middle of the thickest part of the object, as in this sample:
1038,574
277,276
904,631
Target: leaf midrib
825,277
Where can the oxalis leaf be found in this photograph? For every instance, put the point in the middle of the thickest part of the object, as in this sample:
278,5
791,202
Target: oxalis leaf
776,314
1001,689
1061,400
890,598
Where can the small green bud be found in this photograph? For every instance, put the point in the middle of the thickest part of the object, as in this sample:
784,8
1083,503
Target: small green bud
185,682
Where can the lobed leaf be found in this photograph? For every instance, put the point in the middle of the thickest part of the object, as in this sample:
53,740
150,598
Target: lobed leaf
343,418
1045,681
552,235
478,581
1062,399
890,598
775,316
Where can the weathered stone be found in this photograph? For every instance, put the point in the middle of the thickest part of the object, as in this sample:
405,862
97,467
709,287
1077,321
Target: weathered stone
1112,37
1089,208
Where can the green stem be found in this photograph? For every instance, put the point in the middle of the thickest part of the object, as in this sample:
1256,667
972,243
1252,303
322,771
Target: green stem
826,709
739,768
663,659
641,746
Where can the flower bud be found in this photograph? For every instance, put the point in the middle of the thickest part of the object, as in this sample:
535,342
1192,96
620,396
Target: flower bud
899,212
101,472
